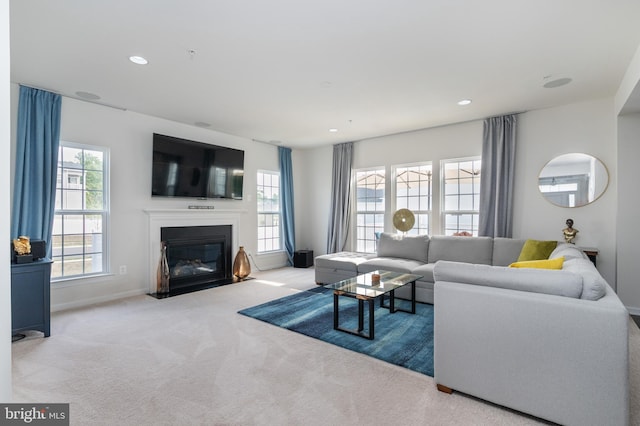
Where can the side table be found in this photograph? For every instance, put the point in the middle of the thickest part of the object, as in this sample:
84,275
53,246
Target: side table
31,296
591,252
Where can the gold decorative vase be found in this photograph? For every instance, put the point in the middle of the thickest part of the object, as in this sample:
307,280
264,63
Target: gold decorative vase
241,265
163,270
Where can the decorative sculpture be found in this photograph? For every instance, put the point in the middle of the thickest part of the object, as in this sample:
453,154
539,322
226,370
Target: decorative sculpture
570,232
241,265
22,245
163,270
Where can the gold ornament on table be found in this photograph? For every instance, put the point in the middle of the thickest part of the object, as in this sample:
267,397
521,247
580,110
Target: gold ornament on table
22,250
241,265
22,245
570,233
163,270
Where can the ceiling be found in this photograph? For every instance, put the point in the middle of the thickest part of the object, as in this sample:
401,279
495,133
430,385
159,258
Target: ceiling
287,71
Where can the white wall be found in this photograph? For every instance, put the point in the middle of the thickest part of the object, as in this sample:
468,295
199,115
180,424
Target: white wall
128,135
589,128
312,175
586,127
628,208
5,267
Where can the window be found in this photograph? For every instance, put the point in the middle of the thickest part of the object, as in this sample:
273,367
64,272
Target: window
268,211
461,196
81,212
370,193
413,192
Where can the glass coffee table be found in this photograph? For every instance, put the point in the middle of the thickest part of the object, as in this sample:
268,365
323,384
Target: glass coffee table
365,289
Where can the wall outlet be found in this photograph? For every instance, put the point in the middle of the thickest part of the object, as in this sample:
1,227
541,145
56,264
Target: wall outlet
123,269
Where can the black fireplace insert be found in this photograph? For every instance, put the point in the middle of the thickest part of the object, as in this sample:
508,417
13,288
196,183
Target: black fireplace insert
199,257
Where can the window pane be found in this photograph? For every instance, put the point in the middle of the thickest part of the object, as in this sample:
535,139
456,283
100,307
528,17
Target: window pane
461,189
268,190
78,242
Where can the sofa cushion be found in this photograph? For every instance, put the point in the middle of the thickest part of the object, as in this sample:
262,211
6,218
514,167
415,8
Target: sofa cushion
555,263
506,250
342,261
568,251
593,285
461,249
536,250
394,264
413,247
558,283
426,271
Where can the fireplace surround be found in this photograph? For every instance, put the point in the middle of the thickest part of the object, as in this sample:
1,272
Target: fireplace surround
205,248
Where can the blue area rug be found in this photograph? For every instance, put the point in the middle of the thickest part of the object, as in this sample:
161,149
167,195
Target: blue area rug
400,338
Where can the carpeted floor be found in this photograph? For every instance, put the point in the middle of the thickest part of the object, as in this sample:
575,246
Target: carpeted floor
192,360
401,338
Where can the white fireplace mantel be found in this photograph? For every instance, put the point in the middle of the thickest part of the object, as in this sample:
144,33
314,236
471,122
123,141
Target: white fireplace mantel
160,218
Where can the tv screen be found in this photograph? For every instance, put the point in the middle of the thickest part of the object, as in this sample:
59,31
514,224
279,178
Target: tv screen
184,168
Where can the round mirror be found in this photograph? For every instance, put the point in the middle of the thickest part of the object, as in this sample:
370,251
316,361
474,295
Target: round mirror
573,180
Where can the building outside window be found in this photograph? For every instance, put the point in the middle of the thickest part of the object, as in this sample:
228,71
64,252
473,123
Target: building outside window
414,192
461,196
79,239
370,205
269,219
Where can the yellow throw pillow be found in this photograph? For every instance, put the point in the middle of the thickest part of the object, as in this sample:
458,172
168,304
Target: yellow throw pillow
540,264
536,250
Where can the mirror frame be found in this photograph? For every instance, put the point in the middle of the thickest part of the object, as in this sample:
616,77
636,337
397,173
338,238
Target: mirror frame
578,179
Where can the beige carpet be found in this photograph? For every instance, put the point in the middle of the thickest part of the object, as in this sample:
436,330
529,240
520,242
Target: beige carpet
192,360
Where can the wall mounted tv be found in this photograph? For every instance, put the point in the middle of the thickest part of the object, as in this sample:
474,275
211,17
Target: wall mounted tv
184,168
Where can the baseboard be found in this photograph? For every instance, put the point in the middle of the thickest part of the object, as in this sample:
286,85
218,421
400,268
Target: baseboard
95,300
633,311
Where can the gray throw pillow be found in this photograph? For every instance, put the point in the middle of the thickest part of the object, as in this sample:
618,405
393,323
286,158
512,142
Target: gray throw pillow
414,247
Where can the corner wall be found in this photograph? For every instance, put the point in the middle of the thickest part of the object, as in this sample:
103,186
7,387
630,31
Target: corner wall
5,266
628,208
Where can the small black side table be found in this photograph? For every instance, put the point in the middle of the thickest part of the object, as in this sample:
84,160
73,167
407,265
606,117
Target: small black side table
31,296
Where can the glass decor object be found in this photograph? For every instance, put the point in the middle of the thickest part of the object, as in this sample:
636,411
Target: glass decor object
163,270
241,265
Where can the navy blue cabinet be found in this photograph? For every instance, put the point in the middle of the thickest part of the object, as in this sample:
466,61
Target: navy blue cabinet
30,296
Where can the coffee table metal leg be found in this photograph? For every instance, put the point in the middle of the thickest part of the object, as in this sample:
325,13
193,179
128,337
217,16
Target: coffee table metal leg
413,297
360,315
371,330
335,311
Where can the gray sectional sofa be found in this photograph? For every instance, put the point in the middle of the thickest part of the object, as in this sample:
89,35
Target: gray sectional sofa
417,255
550,343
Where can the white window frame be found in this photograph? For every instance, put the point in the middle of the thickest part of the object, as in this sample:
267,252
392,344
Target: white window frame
265,233
420,204
59,257
473,212
365,234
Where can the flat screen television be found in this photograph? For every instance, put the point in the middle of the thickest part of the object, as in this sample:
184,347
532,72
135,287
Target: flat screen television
185,168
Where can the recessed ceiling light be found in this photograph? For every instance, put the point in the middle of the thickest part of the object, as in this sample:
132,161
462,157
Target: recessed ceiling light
138,60
557,83
333,130
88,96
464,102
202,124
